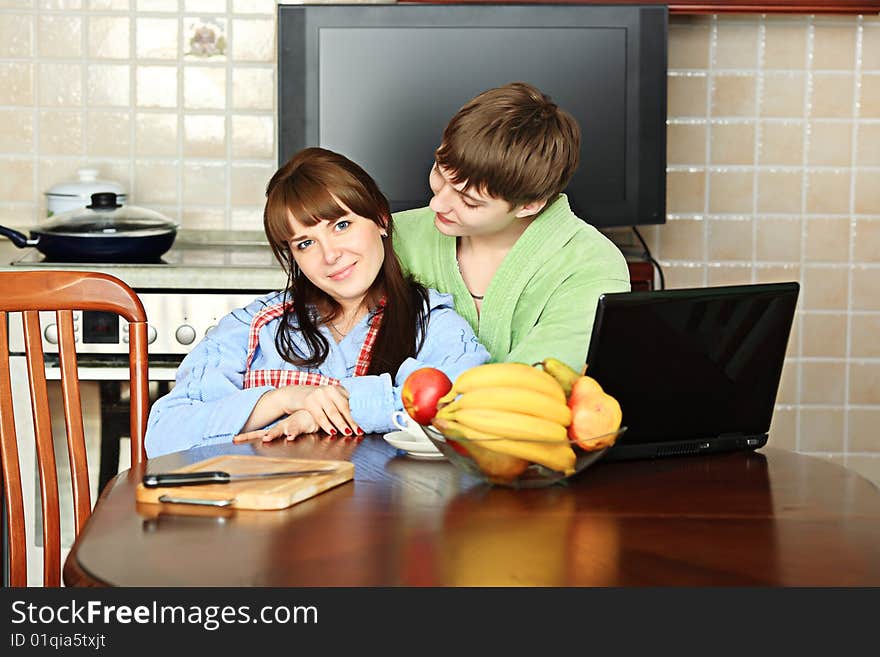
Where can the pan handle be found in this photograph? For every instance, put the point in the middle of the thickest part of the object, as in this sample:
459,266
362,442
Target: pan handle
19,239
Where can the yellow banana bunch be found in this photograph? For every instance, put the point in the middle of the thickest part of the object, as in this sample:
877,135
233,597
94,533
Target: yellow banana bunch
492,375
557,456
506,424
509,398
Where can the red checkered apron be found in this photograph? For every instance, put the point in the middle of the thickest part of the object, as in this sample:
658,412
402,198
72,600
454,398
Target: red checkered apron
279,378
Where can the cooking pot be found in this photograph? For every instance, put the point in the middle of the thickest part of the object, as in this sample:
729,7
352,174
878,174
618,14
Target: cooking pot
75,195
104,231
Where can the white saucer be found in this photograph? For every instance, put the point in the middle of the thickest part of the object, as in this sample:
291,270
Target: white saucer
413,446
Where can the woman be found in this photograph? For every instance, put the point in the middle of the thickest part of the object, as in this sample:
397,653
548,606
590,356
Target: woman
332,350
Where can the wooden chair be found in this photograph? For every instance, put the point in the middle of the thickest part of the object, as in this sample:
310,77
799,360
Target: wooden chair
29,292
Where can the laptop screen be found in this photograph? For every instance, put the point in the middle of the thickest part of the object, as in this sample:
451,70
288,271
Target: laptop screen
693,364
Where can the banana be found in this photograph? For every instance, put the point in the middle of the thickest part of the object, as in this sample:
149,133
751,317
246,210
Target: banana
507,424
509,398
492,375
556,456
561,372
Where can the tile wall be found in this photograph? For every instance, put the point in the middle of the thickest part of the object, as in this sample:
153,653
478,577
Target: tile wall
774,159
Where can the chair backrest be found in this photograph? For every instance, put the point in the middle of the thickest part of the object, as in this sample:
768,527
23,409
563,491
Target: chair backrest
30,292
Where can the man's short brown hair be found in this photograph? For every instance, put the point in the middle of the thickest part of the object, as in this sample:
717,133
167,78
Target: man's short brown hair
513,143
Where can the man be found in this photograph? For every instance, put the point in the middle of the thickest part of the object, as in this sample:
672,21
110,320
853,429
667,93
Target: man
500,236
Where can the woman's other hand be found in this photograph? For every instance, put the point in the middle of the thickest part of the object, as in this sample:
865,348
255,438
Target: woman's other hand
328,405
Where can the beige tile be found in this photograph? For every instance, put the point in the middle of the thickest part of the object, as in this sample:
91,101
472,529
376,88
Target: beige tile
783,429
830,144
867,466
683,275
109,37
60,36
253,39
682,239
828,192
834,46
253,137
832,96
108,133
823,335
16,35
61,132
263,7
781,143
157,38
686,144
864,342
824,288
17,82
869,100
733,95
59,4
204,135
863,434
204,184
155,134
205,6
867,194
720,274
788,382
17,179
205,218
730,239
731,191
822,382
864,288
827,240
16,4
864,383
160,6
155,182
778,274
736,45
109,5
733,143
21,216
16,131
868,144
785,45
866,240
248,183
157,86
821,430
782,95
871,48
247,218
51,171
253,88
60,85
108,85
204,87
686,96
778,240
685,192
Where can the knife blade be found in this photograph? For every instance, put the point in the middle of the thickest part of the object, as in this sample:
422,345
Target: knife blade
220,477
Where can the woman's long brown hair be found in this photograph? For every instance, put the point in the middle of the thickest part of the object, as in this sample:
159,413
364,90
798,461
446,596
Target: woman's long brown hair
311,187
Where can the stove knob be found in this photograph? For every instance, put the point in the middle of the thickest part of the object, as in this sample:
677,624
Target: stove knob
151,334
185,334
210,328
51,334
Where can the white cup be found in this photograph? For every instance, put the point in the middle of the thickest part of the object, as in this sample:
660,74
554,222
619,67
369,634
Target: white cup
404,422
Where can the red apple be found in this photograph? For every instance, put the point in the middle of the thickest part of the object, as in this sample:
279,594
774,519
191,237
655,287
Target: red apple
421,392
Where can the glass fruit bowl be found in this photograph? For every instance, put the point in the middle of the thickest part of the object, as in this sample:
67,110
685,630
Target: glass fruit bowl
503,462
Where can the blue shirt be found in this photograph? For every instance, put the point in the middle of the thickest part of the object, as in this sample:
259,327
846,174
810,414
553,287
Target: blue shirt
209,405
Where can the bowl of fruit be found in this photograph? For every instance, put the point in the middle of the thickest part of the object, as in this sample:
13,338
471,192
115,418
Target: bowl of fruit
519,425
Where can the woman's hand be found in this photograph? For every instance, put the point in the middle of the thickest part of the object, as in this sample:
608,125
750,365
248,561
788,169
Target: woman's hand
328,406
295,424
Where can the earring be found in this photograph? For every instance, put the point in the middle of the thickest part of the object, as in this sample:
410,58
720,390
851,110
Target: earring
384,235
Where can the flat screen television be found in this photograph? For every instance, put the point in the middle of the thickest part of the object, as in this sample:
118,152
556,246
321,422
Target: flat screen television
378,83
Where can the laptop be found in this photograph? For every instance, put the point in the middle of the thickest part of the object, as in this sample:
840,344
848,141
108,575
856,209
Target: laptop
696,371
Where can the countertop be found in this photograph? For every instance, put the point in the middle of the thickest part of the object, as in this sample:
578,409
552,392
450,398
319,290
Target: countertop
213,260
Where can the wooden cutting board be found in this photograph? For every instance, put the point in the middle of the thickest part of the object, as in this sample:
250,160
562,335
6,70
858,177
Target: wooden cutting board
277,493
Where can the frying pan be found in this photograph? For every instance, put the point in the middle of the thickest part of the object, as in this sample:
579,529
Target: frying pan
104,231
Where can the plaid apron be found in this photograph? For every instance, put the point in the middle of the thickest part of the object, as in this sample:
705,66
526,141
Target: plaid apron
279,378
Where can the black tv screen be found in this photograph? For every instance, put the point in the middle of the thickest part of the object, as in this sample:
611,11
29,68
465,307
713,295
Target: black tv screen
378,83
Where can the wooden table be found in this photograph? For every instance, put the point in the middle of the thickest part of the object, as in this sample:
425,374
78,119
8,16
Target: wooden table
770,518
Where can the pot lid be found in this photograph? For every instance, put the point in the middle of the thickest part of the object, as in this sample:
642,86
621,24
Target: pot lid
87,185
105,216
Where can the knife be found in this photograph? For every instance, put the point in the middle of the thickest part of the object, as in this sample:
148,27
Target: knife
220,477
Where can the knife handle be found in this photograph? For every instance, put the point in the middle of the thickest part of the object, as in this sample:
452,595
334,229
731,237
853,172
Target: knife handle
185,479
